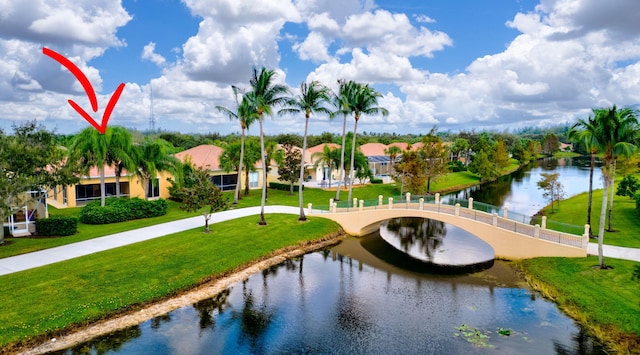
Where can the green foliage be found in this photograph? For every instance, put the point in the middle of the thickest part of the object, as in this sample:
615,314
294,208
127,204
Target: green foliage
483,166
552,187
283,187
550,144
7,231
121,209
628,186
376,181
60,225
456,166
289,167
203,196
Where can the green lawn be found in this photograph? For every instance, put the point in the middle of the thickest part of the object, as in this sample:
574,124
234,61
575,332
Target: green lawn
625,223
607,301
52,297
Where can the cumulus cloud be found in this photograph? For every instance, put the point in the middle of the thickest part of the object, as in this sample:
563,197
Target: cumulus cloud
148,53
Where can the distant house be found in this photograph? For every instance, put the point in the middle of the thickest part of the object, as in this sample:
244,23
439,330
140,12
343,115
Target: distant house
316,171
88,189
208,156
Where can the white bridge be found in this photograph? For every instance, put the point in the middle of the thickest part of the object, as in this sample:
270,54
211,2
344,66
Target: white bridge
510,239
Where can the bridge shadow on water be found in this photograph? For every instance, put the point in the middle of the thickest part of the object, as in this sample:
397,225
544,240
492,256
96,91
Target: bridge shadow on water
410,233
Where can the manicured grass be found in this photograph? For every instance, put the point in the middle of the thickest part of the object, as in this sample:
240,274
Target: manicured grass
607,301
23,245
626,221
52,297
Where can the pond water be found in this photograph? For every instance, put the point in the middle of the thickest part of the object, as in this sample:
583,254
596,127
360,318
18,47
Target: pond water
519,191
351,299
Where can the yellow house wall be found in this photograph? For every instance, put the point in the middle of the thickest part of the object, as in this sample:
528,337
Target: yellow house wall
506,244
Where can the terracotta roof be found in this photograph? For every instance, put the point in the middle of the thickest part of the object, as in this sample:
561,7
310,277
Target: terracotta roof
109,171
205,155
373,149
317,149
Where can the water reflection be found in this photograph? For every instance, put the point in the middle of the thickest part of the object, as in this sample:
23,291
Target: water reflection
346,300
440,246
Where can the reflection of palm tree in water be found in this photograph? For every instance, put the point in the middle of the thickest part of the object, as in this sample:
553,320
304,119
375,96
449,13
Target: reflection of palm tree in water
111,342
254,318
427,234
205,308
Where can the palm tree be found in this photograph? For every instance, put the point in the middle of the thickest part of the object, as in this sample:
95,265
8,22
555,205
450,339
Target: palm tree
121,153
327,157
614,132
342,103
246,115
312,98
364,102
393,152
585,131
154,155
264,96
91,148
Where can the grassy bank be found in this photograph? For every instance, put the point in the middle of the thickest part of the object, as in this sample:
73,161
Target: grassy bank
53,297
625,221
607,302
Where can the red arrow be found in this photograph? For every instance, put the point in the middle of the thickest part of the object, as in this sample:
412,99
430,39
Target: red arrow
88,88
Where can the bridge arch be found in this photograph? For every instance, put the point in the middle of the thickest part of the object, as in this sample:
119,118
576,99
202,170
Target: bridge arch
509,239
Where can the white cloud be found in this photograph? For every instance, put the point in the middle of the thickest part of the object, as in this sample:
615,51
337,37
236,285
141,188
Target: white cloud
148,53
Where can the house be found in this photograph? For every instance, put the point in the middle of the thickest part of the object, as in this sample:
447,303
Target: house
316,171
88,189
208,156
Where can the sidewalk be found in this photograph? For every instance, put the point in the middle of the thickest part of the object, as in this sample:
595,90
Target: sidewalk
49,256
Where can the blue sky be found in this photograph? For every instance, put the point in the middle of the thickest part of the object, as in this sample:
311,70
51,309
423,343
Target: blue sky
457,65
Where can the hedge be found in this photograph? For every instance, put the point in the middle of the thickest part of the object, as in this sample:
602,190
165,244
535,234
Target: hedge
122,209
376,181
284,187
57,225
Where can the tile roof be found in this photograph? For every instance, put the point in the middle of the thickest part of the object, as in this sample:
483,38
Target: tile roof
205,155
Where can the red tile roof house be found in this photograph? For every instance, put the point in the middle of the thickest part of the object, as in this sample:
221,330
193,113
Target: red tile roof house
208,156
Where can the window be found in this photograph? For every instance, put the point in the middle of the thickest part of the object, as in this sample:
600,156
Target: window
254,179
153,189
225,182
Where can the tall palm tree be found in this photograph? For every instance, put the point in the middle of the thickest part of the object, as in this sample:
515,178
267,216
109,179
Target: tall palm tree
91,148
614,133
311,99
246,115
342,103
121,154
585,131
264,95
363,102
155,155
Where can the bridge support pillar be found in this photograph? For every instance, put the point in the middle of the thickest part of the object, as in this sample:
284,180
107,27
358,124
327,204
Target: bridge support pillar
536,231
390,202
544,222
437,198
361,206
505,213
421,201
457,210
379,200
470,203
495,219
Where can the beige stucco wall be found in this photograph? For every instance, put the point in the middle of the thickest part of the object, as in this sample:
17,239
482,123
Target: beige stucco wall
506,244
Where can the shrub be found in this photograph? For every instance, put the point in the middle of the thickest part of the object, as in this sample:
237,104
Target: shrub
636,273
456,166
637,198
376,181
122,209
57,225
7,231
283,187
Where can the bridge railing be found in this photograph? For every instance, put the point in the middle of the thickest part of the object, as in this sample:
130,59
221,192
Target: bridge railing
533,226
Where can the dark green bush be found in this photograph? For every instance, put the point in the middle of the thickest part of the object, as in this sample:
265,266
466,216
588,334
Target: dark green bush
7,231
122,209
58,225
376,181
283,187
456,166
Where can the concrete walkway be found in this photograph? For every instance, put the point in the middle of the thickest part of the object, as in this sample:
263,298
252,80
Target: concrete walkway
65,252
52,255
